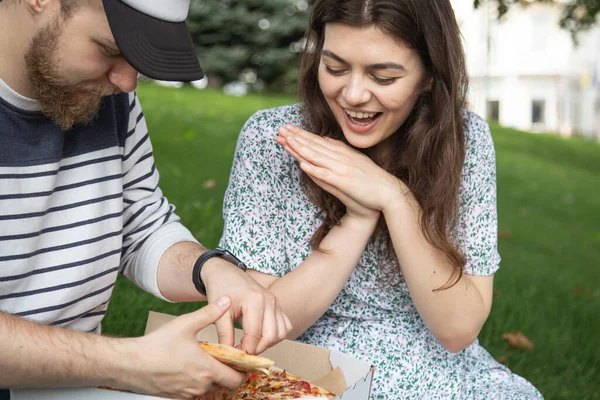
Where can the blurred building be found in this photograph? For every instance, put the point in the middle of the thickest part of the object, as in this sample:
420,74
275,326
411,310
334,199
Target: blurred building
527,73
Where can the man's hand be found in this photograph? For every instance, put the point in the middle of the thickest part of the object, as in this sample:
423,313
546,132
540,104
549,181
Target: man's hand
264,322
169,362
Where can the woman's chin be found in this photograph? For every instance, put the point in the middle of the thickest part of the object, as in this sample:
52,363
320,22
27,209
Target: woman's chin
360,141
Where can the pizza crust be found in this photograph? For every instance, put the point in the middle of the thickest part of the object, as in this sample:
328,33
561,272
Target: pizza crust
238,359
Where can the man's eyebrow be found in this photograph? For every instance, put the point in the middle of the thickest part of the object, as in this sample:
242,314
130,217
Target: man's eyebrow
385,65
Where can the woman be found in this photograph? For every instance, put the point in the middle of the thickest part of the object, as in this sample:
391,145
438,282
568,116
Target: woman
372,215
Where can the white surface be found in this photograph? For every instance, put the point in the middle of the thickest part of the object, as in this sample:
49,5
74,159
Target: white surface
74,393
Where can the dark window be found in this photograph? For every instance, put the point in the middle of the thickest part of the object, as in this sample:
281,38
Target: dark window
493,110
538,111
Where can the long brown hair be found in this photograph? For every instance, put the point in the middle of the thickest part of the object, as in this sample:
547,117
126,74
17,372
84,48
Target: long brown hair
428,149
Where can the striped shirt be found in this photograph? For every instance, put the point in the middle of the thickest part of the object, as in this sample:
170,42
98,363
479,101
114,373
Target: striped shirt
76,209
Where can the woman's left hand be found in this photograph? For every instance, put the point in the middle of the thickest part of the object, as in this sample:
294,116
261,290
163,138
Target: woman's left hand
341,167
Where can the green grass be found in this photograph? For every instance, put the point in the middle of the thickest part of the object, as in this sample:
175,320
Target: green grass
548,286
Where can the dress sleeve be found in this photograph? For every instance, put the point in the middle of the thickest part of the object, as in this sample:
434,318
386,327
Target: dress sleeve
254,208
478,216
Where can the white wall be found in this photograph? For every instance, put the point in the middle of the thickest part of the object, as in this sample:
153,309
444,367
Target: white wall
529,57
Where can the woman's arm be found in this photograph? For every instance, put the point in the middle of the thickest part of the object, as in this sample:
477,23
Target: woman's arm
455,315
305,293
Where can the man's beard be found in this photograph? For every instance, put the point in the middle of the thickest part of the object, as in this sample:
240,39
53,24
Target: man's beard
57,98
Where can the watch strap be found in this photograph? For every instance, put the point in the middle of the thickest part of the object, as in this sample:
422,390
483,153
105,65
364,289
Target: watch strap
218,252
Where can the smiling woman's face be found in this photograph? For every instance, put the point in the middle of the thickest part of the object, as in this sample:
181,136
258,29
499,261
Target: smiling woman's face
370,81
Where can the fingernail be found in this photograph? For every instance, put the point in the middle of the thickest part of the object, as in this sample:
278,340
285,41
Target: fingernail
223,301
288,126
291,139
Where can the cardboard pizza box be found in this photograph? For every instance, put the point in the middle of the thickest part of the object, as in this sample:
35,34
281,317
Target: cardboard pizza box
347,377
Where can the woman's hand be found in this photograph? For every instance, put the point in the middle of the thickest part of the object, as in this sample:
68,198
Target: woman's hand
264,323
364,187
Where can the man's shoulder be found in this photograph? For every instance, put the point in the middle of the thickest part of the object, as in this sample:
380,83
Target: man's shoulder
111,124
116,114
118,105
30,138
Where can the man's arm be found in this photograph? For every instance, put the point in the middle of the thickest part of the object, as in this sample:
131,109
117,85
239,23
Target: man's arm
159,252
34,354
175,272
264,322
167,362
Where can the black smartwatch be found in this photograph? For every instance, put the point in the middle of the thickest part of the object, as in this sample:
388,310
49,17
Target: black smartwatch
218,252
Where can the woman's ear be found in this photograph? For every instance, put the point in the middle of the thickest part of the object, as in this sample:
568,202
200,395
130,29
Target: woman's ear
428,84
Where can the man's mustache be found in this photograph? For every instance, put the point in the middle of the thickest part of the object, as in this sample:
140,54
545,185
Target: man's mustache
99,91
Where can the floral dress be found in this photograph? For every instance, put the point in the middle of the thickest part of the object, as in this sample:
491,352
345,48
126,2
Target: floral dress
269,221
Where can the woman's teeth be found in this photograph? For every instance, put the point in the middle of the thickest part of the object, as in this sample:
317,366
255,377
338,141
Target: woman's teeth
359,114
362,117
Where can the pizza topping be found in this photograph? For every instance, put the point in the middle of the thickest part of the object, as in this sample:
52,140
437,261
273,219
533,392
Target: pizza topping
277,386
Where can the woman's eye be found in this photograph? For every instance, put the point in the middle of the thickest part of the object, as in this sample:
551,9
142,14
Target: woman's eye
384,81
334,71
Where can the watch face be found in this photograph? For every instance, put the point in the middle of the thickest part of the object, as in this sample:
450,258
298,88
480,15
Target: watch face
228,253
233,259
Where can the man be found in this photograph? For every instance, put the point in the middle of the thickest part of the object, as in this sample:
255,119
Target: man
80,202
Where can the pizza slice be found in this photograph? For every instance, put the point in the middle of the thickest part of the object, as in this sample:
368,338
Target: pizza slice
238,359
264,382
277,386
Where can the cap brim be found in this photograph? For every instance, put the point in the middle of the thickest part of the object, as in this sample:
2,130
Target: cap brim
158,49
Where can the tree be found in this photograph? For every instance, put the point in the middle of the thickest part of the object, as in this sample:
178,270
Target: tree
578,15
254,41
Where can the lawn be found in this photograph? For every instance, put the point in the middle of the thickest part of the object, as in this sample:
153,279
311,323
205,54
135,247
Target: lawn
548,286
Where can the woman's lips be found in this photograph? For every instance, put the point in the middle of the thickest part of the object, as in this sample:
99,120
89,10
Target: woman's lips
360,127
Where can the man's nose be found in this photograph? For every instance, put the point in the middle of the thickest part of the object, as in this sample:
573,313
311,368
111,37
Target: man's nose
123,76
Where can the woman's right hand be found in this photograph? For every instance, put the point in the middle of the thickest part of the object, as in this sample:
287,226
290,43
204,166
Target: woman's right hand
353,208
169,362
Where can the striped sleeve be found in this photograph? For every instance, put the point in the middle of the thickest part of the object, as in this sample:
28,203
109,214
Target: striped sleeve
150,225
